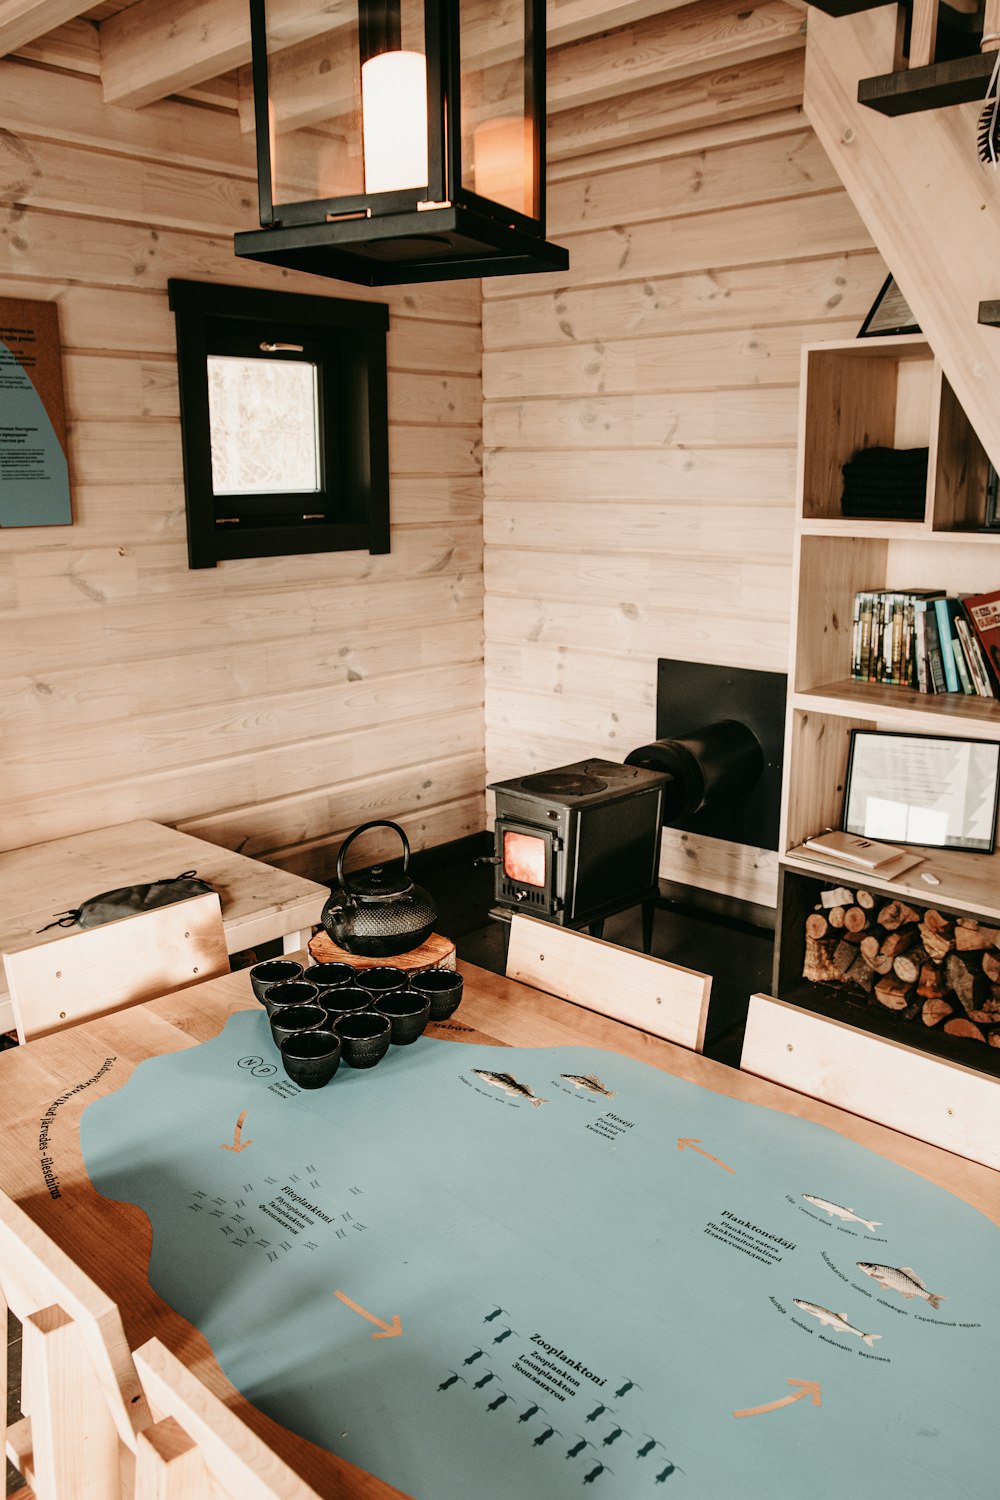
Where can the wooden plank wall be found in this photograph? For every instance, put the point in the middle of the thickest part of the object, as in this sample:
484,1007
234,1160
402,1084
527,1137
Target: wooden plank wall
267,705
640,418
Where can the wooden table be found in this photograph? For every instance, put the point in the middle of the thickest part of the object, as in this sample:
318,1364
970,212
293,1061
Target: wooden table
111,1241
259,902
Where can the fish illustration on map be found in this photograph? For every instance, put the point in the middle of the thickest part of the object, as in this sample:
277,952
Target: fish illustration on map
510,1085
902,1279
836,1212
588,1081
837,1321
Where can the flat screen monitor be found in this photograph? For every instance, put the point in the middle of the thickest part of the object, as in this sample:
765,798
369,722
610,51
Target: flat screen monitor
923,789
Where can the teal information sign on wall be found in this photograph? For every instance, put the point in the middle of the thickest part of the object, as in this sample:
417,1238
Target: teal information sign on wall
518,1272
34,472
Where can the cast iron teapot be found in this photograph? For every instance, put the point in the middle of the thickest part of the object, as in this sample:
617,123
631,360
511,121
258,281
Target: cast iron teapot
377,914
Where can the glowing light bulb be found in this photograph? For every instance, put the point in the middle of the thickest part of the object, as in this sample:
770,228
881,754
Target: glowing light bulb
394,110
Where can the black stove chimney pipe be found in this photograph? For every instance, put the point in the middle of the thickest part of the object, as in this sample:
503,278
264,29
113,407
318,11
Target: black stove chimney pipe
706,766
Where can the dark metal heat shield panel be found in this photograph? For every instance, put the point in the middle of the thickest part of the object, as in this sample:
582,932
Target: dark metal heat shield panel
690,695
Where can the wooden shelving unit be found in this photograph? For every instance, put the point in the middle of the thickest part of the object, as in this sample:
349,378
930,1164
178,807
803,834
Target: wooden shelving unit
890,392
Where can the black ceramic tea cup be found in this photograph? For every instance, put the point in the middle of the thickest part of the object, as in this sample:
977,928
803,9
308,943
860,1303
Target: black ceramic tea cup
273,971
295,992
444,989
330,976
364,1037
380,981
408,1014
289,1019
341,1002
311,1058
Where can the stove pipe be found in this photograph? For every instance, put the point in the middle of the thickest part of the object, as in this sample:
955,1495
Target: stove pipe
705,767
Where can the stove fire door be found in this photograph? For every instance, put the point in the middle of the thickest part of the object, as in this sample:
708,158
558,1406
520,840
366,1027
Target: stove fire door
526,872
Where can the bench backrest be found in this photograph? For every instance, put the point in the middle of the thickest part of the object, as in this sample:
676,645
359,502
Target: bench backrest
74,978
196,1436
78,1380
656,996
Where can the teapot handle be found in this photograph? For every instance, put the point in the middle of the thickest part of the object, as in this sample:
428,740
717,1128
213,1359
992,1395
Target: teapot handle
376,823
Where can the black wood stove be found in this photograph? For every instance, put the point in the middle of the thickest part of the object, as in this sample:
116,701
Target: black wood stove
577,844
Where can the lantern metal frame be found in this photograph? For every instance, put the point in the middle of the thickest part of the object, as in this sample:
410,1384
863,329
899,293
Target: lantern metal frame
439,231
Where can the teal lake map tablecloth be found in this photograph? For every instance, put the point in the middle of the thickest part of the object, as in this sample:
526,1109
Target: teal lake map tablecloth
506,1272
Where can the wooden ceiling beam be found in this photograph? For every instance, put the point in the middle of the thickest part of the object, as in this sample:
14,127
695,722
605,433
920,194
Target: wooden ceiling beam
24,21
313,83
666,48
73,47
161,47
768,85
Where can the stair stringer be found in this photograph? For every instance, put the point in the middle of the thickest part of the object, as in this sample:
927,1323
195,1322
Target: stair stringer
931,207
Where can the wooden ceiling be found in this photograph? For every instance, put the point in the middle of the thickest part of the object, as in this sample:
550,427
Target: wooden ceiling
599,50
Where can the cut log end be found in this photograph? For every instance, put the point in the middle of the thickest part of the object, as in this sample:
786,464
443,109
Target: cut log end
893,993
965,1028
897,914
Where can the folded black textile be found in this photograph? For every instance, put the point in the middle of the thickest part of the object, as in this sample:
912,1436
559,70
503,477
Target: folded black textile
885,484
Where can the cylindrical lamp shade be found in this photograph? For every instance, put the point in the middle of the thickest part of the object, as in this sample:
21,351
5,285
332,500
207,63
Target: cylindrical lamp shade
394,104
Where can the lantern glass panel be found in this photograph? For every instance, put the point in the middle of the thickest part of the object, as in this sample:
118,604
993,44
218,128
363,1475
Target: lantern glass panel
347,103
498,133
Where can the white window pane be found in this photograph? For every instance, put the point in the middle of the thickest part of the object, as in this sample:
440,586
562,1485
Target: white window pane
265,426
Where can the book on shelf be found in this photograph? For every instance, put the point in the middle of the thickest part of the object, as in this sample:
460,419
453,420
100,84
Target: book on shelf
928,641
974,657
852,849
961,666
857,856
930,667
947,637
886,635
983,613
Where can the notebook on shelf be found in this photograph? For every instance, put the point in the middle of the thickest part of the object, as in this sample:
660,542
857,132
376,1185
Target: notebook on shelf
863,856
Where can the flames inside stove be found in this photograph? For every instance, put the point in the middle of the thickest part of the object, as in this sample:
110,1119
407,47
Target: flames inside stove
524,858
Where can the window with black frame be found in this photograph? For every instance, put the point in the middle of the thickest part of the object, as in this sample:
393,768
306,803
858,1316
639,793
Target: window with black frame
284,422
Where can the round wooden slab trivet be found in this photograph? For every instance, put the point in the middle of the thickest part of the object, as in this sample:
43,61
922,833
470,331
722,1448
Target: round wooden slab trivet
436,953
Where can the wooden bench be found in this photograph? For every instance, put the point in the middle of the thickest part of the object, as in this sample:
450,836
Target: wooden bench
198,1449
83,1401
931,1098
659,997
85,974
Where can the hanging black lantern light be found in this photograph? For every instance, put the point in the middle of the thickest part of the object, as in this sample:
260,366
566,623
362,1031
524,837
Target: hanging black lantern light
404,143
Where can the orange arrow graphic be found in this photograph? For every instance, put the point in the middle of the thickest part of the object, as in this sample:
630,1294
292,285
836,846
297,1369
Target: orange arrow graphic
683,1141
389,1330
806,1388
238,1143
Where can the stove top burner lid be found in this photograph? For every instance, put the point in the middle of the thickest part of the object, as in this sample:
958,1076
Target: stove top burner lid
564,784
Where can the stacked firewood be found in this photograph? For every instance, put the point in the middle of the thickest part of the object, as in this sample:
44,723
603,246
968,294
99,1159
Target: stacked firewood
939,970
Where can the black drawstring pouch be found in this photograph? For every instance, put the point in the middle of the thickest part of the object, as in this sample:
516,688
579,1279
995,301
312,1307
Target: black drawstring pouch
130,900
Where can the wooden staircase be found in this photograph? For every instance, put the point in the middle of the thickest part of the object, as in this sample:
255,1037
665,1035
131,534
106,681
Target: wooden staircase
931,207
919,80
